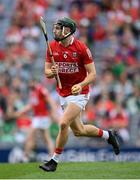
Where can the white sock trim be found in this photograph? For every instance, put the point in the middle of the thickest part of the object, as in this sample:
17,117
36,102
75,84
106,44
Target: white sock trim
105,134
56,157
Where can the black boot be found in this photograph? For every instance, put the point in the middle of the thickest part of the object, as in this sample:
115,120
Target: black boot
114,142
49,166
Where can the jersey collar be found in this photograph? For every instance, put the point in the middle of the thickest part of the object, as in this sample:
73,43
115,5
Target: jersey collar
72,40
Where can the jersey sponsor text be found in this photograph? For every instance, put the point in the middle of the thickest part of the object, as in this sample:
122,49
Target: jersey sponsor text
68,67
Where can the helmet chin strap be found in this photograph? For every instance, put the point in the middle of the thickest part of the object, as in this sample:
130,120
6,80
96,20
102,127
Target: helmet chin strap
65,35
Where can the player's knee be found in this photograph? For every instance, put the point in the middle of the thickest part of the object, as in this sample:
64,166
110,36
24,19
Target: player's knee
63,126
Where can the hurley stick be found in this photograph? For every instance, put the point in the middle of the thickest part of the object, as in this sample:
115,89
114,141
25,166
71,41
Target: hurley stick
43,27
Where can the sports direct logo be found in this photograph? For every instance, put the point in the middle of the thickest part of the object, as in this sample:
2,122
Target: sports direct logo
67,67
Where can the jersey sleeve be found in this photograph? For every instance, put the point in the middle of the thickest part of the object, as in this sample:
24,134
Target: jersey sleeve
86,55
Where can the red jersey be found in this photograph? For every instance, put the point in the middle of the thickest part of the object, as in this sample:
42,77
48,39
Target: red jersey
38,98
71,61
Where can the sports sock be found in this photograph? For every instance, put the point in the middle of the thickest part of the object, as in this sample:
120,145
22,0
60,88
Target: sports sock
104,134
57,154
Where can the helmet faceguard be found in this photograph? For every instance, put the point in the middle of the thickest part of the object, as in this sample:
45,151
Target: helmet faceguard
66,22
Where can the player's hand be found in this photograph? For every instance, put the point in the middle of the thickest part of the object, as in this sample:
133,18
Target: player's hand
76,89
54,69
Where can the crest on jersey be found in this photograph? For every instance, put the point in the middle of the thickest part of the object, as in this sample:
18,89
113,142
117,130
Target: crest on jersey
65,55
74,54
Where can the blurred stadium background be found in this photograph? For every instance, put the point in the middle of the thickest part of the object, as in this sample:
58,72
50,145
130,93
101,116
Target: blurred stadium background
111,29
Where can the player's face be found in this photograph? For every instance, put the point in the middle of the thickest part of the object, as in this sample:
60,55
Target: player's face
57,32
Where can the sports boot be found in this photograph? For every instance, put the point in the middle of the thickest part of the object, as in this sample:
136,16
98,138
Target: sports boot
114,142
49,166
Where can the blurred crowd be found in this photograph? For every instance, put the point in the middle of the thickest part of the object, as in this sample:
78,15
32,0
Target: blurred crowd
111,29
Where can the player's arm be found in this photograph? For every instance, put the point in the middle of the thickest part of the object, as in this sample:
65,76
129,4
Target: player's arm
90,78
50,70
24,110
51,103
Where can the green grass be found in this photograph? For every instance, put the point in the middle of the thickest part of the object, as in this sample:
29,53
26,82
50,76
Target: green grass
71,170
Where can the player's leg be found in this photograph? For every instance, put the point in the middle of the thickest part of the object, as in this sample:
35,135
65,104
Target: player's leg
49,142
29,144
43,123
30,140
71,117
79,129
70,113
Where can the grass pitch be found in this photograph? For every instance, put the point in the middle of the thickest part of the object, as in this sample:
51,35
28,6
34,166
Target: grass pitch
72,170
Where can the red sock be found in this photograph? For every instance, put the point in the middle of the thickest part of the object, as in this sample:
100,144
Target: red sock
58,150
57,154
100,133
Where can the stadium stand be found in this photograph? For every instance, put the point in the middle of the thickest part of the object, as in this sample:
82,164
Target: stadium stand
111,29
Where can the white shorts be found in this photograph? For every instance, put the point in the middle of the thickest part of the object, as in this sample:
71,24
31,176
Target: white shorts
40,122
80,100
